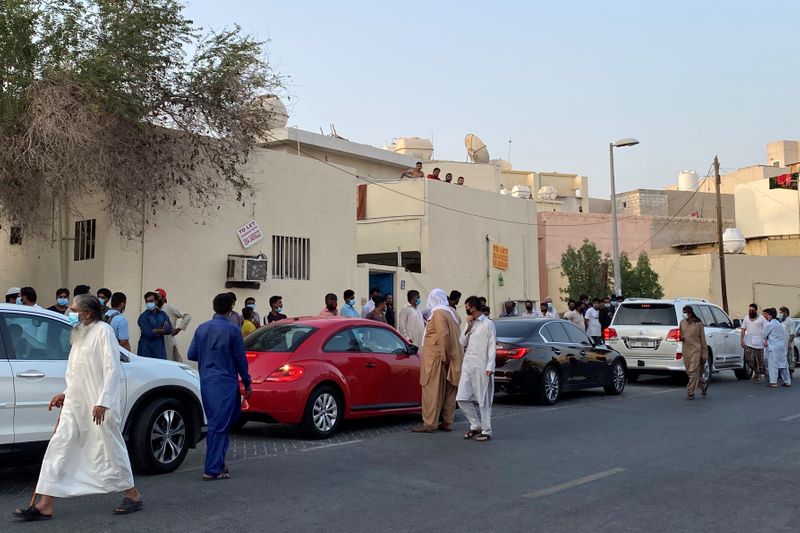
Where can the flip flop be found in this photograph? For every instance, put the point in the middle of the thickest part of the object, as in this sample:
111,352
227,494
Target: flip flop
128,506
220,476
483,437
31,514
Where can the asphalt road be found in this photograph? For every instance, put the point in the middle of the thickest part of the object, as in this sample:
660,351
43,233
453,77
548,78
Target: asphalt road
647,460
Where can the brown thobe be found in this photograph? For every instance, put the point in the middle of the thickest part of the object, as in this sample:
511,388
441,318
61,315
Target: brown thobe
440,369
695,352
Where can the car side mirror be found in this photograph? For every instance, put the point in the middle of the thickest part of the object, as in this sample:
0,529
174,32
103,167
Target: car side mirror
737,323
412,350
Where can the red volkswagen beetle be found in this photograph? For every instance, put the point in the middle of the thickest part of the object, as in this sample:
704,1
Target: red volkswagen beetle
317,371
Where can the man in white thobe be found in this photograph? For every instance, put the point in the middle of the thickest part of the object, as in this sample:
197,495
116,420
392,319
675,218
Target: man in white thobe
775,343
409,321
179,320
87,453
476,387
789,326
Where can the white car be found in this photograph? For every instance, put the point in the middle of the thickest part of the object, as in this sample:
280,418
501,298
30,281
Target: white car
646,333
163,415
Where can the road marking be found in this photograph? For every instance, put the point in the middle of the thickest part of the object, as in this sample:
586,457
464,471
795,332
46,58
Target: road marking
652,393
787,418
574,483
334,445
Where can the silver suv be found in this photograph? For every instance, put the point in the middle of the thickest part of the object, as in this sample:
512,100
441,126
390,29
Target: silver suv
646,333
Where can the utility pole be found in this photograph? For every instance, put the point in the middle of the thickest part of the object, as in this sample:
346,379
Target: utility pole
718,182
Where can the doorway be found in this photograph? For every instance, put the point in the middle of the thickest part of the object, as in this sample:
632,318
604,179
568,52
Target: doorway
383,280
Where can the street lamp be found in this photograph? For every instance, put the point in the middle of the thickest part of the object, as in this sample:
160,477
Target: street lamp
614,237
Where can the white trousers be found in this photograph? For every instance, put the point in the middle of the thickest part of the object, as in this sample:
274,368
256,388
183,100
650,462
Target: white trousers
482,422
782,373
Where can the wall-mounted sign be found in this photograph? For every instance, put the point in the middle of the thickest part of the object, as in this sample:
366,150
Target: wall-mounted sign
499,257
402,284
249,234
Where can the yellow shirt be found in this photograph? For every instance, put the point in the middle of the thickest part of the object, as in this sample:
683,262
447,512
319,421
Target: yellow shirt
247,328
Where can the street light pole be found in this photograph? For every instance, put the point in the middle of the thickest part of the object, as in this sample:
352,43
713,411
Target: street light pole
614,231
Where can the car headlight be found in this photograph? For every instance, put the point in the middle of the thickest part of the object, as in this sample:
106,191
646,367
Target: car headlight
191,371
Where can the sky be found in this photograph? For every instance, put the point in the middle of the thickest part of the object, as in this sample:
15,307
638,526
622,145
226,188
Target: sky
561,80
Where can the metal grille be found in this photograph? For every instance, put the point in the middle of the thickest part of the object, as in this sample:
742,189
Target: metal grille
85,232
291,257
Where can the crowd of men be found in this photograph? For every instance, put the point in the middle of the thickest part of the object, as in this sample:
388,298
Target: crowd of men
416,172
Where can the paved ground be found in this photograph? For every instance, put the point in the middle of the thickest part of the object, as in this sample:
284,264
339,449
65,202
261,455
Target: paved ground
647,460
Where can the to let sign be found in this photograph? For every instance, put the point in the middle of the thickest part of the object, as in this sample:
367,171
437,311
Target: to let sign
499,257
249,234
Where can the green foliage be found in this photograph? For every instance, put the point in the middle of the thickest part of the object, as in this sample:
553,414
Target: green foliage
640,281
587,271
126,99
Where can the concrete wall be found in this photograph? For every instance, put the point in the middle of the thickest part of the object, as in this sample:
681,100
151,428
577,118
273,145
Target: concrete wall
703,203
764,211
647,202
485,177
783,153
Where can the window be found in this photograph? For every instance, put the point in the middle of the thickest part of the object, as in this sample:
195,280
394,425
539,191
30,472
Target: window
85,233
646,315
704,314
379,340
556,333
575,335
343,341
15,236
720,320
34,338
291,257
282,338
514,330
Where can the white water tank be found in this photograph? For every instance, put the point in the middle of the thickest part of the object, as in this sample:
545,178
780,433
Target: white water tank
688,181
521,191
733,241
547,193
417,147
277,115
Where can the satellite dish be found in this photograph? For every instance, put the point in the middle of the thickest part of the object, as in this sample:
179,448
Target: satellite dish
476,149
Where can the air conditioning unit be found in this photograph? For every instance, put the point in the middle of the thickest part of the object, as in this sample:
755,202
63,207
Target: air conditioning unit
246,268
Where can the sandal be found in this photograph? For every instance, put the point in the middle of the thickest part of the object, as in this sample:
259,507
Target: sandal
128,506
221,475
31,514
483,437
471,434
689,397
773,385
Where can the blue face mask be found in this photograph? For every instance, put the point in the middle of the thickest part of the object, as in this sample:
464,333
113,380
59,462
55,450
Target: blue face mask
279,310
151,306
419,301
252,306
102,301
351,302
74,319
62,302
19,300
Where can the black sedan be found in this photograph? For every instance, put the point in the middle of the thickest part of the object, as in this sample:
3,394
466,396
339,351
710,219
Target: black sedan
547,357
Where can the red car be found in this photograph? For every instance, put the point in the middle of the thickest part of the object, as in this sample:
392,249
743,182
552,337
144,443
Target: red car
317,371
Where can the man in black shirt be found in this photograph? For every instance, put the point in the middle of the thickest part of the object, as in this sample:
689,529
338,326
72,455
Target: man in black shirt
606,313
276,310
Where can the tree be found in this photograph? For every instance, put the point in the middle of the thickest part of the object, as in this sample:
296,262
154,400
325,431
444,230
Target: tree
640,281
126,100
587,271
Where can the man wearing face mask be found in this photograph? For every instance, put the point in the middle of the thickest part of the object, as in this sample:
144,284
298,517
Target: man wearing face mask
409,322
250,303
551,310
788,323
104,296
349,309
529,312
179,320
118,322
545,310
154,324
62,302
475,387
275,309
606,313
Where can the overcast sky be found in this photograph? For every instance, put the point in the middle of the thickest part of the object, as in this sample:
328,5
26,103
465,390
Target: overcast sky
689,79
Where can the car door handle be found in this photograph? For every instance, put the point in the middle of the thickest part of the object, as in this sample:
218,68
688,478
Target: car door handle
583,352
371,365
556,351
31,374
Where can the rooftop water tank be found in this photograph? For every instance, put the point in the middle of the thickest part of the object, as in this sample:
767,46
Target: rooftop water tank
414,146
687,180
547,193
521,191
733,241
277,115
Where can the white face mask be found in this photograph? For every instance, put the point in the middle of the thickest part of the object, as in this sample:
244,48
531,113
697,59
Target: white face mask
685,316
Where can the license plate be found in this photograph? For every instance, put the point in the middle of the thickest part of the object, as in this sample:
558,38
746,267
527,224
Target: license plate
642,344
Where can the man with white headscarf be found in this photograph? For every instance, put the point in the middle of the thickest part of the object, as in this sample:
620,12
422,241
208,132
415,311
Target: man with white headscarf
440,365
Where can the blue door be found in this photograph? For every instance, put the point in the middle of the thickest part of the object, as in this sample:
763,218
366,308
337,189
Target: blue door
384,281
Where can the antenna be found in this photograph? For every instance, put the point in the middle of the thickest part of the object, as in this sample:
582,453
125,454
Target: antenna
509,150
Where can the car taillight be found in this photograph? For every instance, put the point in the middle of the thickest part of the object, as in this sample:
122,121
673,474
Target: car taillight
511,353
674,335
251,356
287,373
678,356
609,334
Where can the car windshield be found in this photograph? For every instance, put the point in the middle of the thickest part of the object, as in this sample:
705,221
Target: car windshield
278,338
515,329
646,315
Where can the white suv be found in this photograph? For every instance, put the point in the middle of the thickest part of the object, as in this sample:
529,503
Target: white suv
163,416
646,333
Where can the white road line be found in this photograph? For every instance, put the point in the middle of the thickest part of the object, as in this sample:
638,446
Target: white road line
574,483
652,393
325,446
787,418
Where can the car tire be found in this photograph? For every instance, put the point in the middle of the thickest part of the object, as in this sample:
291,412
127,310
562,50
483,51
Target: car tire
708,368
550,386
633,376
618,379
323,414
167,418
745,372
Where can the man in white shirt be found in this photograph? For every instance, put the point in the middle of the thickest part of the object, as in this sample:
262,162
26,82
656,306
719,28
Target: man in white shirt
370,305
545,310
179,320
788,324
592,318
409,322
476,386
752,340
529,312
574,316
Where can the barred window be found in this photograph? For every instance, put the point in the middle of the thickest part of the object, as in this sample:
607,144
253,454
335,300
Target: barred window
16,235
85,232
291,257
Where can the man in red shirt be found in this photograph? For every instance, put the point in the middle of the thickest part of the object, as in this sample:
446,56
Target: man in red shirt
435,175
331,304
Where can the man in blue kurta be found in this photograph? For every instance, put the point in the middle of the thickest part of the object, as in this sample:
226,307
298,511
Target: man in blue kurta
154,324
218,348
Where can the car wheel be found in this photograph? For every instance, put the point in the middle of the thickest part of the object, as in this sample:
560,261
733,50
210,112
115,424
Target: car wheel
324,412
159,437
633,376
550,387
618,378
745,372
706,375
